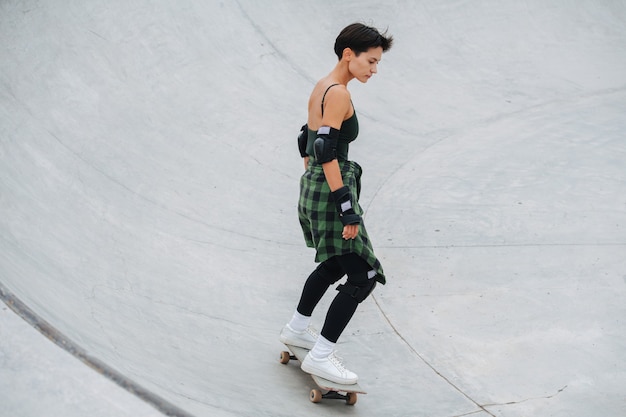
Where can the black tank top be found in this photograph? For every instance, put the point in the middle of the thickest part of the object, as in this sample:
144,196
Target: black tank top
347,133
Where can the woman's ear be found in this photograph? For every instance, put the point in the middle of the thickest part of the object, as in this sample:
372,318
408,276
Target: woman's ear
347,54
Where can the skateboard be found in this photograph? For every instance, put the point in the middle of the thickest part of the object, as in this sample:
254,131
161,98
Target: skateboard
327,389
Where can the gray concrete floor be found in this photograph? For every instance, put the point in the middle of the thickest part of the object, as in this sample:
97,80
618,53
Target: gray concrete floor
42,379
148,189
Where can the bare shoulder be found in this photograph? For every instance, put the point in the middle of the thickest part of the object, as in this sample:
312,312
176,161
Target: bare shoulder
335,100
338,92
337,97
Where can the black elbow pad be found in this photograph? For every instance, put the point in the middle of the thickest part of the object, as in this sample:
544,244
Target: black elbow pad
302,139
325,146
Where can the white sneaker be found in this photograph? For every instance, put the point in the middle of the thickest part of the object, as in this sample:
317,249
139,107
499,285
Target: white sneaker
329,368
304,339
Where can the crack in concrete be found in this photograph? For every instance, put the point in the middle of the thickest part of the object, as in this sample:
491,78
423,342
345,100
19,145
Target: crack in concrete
527,399
416,353
482,407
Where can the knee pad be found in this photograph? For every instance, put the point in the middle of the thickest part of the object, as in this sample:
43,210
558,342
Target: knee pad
359,291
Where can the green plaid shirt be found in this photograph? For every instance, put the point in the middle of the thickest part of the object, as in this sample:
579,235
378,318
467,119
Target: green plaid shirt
320,221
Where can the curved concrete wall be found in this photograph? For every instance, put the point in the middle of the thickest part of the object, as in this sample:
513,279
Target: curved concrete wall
149,180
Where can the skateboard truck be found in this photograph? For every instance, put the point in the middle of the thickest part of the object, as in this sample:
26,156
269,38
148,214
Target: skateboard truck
317,395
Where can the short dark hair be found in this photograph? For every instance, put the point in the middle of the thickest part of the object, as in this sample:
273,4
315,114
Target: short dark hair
360,38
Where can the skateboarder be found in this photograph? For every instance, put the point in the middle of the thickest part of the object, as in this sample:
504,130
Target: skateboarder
328,209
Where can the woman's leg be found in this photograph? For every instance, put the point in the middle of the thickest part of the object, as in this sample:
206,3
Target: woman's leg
326,274
356,289
298,332
321,360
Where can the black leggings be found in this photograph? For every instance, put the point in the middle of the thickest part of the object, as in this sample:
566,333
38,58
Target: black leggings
343,306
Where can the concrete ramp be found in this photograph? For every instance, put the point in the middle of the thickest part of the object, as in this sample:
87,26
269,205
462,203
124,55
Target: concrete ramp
149,182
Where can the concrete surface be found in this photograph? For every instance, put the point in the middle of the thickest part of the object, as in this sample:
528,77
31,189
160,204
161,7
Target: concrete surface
41,379
148,191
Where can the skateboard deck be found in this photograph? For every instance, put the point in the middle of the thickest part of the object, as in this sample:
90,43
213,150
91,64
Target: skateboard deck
332,390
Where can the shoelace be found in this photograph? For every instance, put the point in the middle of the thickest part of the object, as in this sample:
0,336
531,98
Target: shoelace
336,360
311,332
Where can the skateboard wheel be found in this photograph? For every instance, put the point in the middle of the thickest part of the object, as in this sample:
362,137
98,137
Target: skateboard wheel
284,357
315,396
351,398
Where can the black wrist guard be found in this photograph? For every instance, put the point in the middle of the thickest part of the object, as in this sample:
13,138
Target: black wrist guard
302,139
343,203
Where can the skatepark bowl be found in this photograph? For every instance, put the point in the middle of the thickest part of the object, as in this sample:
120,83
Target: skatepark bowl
150,247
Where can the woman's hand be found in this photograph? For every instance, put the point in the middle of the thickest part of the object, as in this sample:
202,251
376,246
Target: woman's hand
350,231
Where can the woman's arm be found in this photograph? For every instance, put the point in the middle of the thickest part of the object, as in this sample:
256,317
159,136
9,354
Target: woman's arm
335,112
338,108
333,175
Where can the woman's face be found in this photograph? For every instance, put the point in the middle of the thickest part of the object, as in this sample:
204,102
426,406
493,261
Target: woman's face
364,66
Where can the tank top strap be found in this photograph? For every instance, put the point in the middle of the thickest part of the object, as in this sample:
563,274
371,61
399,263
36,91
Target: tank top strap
324,96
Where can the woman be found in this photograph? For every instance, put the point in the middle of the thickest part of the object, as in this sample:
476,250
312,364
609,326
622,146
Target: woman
328,209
